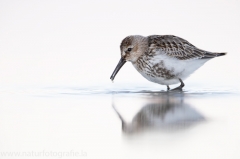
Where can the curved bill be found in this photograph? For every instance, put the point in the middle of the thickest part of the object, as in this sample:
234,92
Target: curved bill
118,67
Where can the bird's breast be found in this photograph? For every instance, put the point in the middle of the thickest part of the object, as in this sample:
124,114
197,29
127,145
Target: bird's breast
159,69
156,67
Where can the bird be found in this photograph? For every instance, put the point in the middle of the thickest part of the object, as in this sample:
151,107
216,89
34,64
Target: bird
163,59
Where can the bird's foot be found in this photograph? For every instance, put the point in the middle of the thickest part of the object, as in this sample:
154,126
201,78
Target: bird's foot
168,88
179,88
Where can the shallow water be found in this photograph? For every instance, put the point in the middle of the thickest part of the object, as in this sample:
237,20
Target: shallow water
57,101
138,122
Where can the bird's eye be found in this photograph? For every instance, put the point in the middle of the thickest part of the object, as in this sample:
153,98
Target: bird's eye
129,49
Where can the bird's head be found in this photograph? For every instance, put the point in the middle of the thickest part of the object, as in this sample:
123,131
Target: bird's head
132,47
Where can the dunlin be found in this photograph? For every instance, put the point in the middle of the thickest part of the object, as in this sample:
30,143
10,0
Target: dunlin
162,59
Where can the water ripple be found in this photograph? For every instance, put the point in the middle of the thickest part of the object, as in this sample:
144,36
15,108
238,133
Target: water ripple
104,90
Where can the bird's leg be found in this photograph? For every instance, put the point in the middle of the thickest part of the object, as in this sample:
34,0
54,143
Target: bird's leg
168,88
181,86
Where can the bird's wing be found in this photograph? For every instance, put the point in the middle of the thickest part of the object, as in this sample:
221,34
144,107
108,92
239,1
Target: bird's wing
176,47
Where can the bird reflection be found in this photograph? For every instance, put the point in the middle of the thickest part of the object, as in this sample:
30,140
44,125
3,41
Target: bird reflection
162,111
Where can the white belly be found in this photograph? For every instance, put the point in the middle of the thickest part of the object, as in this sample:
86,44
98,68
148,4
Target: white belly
179,68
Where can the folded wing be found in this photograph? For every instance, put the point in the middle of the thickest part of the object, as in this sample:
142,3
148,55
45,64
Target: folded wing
177,47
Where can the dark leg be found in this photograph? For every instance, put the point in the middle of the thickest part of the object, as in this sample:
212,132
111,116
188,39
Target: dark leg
181,86
168,88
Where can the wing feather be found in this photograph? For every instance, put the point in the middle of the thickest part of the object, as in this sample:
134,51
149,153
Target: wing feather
176,47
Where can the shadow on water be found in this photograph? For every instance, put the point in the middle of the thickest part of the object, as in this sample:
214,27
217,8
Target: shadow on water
159,111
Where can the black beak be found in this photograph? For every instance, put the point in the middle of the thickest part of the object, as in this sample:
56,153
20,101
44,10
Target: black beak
118,67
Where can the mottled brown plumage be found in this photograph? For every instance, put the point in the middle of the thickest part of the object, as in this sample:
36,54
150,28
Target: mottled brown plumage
177,47
163,59
126,42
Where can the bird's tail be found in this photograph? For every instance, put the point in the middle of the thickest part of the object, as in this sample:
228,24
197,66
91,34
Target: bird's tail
212,55
220,54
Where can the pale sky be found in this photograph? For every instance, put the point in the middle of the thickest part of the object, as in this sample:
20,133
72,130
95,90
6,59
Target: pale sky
72,42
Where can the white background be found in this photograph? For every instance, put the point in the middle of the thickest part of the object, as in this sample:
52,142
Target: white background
76,42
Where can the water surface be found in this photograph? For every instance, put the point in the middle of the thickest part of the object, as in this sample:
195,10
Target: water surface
119,123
